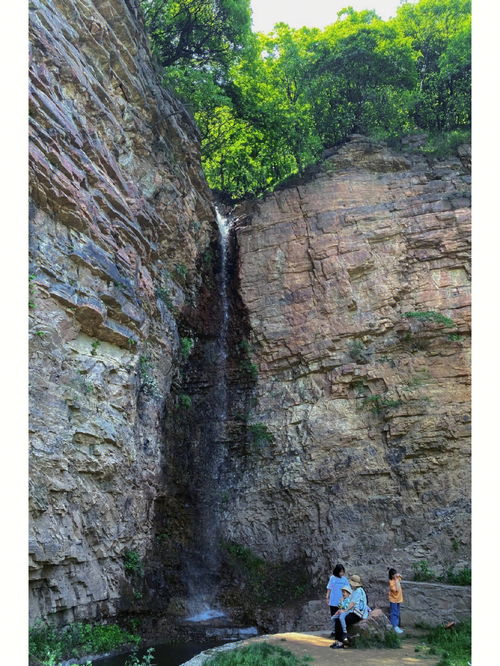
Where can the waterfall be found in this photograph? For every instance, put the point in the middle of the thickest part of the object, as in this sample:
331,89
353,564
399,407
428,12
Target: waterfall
203,572
224,226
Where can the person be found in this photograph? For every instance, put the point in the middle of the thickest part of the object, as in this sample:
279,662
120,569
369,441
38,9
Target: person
395,599
357,609
343,603
334,588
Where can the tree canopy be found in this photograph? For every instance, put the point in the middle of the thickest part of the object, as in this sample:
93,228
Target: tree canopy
268,104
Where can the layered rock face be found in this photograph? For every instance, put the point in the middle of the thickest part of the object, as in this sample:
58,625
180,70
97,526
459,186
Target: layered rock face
121,224
356,283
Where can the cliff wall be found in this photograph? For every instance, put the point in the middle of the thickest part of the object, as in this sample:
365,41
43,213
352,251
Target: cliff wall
356,283
121,226
347,434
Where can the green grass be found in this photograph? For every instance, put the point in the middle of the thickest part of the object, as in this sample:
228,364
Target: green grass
50,645
452,645
258,655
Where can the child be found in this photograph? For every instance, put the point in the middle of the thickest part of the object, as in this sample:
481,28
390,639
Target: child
395,599
340,614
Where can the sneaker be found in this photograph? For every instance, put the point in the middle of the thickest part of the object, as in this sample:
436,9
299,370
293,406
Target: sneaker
398,630
337,646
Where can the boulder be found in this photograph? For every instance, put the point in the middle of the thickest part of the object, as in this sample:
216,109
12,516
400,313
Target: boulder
374,628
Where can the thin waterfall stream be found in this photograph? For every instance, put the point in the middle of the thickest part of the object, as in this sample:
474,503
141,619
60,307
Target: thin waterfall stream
202,574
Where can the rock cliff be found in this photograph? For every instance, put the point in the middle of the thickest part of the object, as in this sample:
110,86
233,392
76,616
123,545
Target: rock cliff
356,284
122,236
347,435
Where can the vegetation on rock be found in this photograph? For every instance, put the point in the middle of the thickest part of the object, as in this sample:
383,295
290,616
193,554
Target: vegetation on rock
267,105
51,645
261,582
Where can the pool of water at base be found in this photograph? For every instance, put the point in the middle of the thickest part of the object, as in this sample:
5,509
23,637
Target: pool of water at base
165,654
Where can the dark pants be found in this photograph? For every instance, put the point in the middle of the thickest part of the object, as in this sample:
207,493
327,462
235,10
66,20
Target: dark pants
350,619
333,610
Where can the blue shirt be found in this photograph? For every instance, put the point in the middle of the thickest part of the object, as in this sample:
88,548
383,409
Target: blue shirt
360,602
335,586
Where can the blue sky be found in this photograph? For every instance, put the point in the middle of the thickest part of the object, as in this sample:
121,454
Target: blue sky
312,13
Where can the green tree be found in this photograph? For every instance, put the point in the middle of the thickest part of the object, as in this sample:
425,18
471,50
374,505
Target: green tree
361,77
196,31
439,32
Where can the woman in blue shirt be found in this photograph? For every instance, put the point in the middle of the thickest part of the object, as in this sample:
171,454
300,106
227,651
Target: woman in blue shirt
334,588
356,610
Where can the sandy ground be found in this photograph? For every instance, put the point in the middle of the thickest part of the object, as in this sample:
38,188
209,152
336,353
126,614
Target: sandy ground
316,645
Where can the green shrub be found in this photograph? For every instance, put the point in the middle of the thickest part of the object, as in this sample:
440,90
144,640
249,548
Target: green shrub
249,368
51,645
187,345
258,655
260,435
422,572
357,350
149,385
132,562
184,401
146,660
390,640
443,144
460,577
378,404
435,317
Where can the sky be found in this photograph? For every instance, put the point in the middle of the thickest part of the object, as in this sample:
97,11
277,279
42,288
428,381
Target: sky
311,13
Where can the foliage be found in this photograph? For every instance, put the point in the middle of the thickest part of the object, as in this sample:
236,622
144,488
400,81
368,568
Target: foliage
256,655
132,562
149,385
357,350
422,572
184,401
431,316
187,345
460,577
249,367
453,644
443,144
204,32
146,660
259,434
378,404
181,271
51,645
262,582
390,640
95,346
267,105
